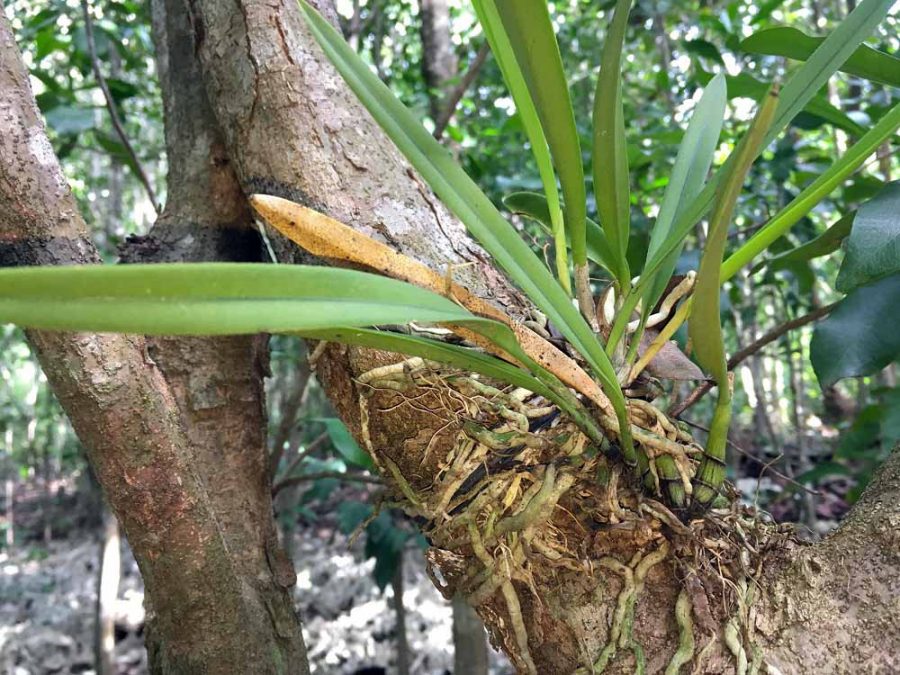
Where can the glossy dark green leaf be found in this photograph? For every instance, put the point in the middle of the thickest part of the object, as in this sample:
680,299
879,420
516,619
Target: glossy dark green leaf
873,248
865,62
703,48
860,337
345,444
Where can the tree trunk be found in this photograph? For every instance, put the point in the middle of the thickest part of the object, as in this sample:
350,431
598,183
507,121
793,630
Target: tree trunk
178,446
470,655
108,575
439,63
598,577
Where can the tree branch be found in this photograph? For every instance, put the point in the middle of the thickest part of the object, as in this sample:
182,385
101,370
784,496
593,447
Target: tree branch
677,409
111,106
353,477
317,443
455,96
767,466
289,412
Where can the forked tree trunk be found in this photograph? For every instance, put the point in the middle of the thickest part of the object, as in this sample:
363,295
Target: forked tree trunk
294,130
178,445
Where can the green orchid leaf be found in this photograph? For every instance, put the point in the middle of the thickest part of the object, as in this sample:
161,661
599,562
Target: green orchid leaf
692,165
610,159
490,21
213,299
864,62
530,33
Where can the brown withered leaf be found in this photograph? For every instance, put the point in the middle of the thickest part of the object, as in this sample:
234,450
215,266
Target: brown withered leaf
328,238
670,363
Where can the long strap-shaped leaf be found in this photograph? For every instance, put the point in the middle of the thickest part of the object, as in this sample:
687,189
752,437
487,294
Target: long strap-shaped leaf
820,188
705,325
864,62
497,38
216,299
530,33
610,160
695,156
234,298
472,207
796,93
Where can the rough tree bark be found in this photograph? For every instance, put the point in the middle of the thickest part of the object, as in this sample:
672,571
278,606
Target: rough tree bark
295,131
178,445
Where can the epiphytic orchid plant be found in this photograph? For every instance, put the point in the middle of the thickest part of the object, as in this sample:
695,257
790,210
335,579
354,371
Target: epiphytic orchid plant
593,387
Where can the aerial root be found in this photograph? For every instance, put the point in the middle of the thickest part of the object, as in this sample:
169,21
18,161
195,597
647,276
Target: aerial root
685,650
467,396
621,635
495,497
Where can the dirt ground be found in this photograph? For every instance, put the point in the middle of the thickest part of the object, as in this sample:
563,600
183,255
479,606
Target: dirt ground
47,605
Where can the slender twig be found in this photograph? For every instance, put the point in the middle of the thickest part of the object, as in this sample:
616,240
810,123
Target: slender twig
352,477
289,412
677,409
319,441
456,94
111,106
767,465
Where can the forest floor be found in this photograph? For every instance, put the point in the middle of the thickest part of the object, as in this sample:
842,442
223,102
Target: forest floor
48,590
47,610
